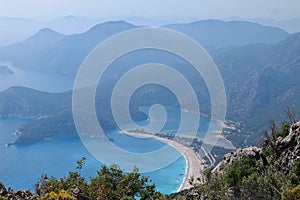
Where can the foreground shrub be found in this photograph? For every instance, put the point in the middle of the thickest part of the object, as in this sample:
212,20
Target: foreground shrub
62,195
284,131
238,171
293,194
110,183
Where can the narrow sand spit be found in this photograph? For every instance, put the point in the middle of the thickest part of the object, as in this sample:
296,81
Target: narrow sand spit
194,165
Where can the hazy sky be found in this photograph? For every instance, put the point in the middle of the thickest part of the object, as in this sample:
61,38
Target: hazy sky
155,9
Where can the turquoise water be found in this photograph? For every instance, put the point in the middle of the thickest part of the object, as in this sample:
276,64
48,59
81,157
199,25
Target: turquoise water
21,166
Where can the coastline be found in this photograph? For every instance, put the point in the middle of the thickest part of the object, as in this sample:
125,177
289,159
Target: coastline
193,162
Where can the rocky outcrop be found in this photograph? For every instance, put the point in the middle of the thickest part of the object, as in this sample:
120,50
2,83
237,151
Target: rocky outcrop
253,172
19,195
3,190
78,194
254,154
289,147
287,150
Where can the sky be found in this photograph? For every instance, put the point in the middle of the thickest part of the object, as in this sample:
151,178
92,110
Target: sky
154,9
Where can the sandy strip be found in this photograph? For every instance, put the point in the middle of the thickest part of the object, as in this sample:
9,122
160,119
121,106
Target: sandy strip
193,162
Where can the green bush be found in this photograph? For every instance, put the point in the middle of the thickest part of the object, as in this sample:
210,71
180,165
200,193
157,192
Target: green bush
111,183
284,131
294,175
62,195
296,168
239,170
266,184
293,194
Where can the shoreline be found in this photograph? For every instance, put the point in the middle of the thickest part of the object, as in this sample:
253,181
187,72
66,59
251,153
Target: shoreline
192,161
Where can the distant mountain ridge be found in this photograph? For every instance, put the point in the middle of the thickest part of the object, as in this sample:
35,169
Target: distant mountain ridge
50,51
290,25
286,54
261,82
14,29
54,52
219,34
40,36
261,79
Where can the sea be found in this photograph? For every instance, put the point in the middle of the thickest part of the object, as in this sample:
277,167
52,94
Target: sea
22,165
50,82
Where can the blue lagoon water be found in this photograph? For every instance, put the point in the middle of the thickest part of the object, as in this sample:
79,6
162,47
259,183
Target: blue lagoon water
21,166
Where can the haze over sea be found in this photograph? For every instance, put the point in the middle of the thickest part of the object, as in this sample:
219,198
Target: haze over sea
36,80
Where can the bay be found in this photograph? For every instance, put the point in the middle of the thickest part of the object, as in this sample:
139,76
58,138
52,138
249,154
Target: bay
21,166
50,82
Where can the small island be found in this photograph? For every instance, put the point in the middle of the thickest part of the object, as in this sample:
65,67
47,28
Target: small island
5,70
9,144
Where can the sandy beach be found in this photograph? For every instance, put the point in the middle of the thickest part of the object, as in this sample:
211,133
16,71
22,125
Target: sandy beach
193,161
